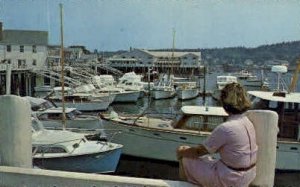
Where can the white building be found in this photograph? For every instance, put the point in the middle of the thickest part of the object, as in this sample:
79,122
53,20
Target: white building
23,49
141,58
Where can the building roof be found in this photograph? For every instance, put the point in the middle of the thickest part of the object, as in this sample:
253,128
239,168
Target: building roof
25,37
169,53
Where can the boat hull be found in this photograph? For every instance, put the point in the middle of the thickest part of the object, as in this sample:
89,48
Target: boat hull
148,142
162,144
162,94
86,106
187,94
130,96
104,162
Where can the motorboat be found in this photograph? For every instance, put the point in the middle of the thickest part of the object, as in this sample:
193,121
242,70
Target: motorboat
222,81
81,101
52,118
69,151
107,84
132,82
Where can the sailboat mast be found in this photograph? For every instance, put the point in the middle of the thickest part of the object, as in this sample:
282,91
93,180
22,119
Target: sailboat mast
173,48
62,67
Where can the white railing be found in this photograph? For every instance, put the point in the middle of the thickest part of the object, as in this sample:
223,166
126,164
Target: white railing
15,176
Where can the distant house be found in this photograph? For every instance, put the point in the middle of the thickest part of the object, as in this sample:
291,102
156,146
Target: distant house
23,49
141,58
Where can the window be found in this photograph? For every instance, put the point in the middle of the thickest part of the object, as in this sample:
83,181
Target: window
21,63
34,62
34,48
22,48
9,61
8,48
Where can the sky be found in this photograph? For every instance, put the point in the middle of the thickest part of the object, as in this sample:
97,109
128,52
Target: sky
110,25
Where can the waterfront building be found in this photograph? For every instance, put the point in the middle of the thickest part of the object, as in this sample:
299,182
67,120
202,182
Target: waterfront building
23,50
140,60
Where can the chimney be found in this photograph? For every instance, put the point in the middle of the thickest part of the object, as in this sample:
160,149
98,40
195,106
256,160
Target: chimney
1,32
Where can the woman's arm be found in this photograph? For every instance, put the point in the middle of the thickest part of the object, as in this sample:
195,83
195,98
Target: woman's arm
191,152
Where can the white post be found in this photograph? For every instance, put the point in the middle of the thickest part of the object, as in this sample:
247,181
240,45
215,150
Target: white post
8,78
15,132
266,128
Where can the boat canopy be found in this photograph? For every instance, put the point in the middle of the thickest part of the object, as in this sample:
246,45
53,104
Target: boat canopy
288,98
204,110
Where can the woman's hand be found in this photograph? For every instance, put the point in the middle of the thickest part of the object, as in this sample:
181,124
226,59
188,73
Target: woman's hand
190,152
186,151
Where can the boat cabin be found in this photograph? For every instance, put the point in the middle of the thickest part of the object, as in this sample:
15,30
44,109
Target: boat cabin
287,107
223,80
57,113
201,118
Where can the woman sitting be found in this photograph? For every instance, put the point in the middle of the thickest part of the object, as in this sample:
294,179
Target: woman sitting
234,140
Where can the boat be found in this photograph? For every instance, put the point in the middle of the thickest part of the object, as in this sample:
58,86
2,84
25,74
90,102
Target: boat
152,137
251,81
164,88
42,91
69,151
91,89
132,82
187,90
52,116
222,81
286,103
107,84
81,101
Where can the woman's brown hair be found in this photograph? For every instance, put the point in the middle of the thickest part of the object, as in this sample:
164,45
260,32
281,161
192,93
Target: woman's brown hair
234,99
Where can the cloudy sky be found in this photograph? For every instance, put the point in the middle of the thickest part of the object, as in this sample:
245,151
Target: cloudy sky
120,24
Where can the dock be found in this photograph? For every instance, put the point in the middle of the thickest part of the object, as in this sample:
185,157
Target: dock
16,176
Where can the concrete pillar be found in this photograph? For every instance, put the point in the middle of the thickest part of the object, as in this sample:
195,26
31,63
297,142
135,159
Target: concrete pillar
266,129
15,132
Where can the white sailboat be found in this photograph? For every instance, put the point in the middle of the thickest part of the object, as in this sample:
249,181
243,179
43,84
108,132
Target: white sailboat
162,136
164,88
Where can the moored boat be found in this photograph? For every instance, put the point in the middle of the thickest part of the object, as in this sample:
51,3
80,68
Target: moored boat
158,138
81,101
69,151
187,90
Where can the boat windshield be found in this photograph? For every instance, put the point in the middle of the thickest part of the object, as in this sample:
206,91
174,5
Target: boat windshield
36,125
199,122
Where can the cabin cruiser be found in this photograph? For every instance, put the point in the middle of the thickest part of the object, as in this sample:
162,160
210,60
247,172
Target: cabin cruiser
70,151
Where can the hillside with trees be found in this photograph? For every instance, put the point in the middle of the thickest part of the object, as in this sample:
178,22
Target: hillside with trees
286,51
